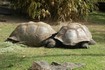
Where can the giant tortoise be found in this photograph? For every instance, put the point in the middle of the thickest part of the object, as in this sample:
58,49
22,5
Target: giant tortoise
32,33
73,35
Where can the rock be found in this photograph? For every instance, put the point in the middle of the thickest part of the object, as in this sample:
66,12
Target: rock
40,65
71,66
43,65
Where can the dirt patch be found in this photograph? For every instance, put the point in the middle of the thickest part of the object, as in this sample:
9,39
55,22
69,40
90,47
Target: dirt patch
12,19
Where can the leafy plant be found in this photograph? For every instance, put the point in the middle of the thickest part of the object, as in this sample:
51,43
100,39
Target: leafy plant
55,9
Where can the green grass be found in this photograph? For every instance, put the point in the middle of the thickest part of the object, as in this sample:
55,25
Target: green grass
97,17
21,57
5,30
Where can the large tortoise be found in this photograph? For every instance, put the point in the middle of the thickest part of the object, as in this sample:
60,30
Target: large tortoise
73,34
32,33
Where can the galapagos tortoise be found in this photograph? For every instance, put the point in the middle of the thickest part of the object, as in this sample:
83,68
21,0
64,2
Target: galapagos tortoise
31,33
73,35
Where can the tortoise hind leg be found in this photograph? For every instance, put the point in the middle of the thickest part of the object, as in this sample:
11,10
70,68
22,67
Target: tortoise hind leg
85,45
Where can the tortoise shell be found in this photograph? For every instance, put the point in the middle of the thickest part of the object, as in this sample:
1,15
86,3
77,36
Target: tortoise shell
73,34
32,33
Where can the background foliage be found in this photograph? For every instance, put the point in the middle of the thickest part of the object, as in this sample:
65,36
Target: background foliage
54,9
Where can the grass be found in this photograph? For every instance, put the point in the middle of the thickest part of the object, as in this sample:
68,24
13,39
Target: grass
21,57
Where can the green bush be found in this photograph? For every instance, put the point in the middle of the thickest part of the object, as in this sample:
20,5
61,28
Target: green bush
54,9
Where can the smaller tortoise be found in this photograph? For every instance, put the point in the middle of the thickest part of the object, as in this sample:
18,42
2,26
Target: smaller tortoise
74,34
32,33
